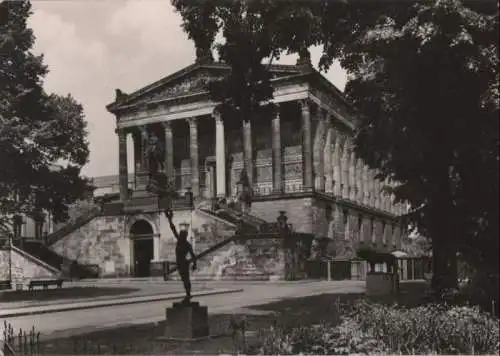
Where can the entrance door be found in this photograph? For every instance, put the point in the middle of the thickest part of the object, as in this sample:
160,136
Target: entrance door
141,234
143,253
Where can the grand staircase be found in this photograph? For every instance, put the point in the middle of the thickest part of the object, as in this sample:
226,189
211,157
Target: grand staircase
45,254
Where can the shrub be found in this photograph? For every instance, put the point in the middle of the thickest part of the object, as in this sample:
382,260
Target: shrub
370,328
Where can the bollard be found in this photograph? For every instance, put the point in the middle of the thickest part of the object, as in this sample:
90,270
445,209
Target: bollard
329,270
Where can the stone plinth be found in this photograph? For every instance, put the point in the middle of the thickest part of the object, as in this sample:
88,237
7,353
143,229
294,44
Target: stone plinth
379,283
186,321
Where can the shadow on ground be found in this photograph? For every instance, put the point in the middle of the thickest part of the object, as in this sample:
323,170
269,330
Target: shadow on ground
63,293
141,339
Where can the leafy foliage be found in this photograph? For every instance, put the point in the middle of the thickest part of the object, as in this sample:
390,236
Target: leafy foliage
424,76
43,143
372,329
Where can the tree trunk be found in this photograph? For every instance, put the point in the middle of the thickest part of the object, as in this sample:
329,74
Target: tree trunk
442,229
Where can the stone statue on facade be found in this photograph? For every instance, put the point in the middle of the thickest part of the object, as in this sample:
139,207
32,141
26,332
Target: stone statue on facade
244,194
158,181
155,155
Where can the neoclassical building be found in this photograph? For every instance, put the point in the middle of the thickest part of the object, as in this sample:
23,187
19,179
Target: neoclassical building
300,164
301,161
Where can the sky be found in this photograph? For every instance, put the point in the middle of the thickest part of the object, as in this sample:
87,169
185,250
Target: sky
93,47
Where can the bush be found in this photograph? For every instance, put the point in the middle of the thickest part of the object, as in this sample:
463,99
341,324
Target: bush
371,328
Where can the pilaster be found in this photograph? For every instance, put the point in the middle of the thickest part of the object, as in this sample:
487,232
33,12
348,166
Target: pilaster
345,169
278,185
337,164
328,156
307,154
359,181
193,150
122,161
352,175
366,186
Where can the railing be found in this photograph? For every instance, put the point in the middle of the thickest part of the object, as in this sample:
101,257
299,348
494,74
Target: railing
21,343
69,228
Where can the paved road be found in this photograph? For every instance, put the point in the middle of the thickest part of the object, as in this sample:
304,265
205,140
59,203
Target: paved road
80,321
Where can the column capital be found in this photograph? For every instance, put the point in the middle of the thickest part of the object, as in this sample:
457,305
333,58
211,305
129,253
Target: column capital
305,104
217,116
120,131
192,120
166,124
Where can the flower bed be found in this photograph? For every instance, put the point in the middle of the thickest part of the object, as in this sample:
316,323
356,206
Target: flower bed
372,328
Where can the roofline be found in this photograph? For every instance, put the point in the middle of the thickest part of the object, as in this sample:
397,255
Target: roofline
111,107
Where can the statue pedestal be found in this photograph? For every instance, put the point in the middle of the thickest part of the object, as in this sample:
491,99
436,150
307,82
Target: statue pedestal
186,321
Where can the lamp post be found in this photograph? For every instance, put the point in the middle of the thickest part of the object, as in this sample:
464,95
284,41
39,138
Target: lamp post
10,260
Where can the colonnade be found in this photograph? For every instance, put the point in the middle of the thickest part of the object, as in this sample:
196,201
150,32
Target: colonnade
329,163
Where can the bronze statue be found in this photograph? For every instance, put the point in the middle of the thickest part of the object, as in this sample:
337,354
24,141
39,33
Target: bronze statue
182,248
154,153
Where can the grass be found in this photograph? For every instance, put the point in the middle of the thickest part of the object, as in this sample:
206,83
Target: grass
141,339
62,293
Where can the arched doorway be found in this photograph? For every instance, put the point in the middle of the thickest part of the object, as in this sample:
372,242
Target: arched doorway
141,234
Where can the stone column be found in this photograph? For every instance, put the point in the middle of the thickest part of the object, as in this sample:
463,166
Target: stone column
337,165
352,176
169,152
278,185
307,153
366,186
248,151
318,150
372,183
220,155
359,181
122,164
328,156
377,194
193,150
345,169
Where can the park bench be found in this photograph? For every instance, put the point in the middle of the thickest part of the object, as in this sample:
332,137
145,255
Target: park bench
45,283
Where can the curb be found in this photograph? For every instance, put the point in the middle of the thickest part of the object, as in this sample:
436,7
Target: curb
107,303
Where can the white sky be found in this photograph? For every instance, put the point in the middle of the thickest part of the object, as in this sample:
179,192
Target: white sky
93,47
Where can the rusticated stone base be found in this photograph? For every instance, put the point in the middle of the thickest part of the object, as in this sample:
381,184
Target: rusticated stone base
185,321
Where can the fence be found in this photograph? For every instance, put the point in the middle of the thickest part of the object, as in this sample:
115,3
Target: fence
410,268
20,343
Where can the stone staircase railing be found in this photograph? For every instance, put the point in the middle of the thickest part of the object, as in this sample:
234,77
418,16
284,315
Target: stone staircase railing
70,227
210,250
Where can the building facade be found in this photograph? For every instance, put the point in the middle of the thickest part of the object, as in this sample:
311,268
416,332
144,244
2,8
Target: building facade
301,161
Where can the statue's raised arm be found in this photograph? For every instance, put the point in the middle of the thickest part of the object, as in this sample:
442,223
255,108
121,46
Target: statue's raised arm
170,214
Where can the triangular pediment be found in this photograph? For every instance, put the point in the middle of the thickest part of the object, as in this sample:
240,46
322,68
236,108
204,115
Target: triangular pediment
190,80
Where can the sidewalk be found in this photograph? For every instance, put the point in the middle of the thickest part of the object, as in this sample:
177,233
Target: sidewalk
57,306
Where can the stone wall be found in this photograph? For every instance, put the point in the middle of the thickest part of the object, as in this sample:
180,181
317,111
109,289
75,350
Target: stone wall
298,211
23,267
342,228
204,231
102,241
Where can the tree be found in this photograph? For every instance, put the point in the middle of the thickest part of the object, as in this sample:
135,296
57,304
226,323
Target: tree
243,94
43,138
424,78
